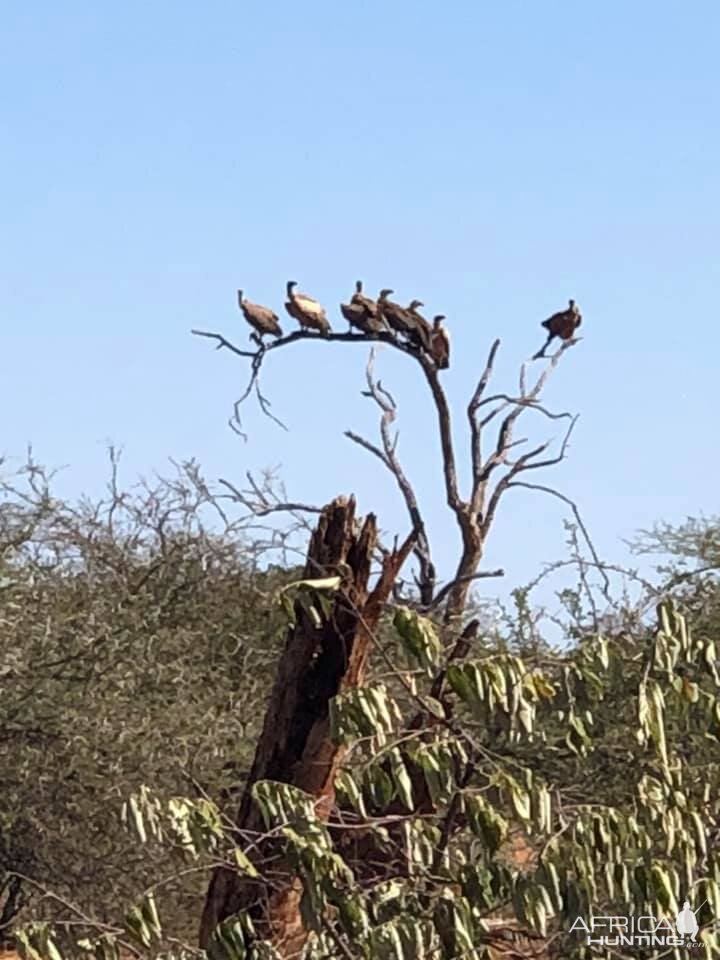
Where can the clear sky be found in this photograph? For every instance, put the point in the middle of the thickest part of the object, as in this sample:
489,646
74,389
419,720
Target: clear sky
492,159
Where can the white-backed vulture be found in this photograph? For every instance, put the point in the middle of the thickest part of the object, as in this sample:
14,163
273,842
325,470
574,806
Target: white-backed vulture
262,319
422,330
440,343
362,312
397,318
307,311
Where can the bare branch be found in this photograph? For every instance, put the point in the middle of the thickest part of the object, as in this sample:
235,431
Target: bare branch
581,526
223,342
259,355
264,499
522,401
481,575
367,445
388,456
527,400
526,462
265,405
527,465
473,406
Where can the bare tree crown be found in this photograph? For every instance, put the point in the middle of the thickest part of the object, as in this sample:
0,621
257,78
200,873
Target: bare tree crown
498,462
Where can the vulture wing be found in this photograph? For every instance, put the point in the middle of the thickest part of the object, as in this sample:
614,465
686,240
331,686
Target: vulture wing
552,322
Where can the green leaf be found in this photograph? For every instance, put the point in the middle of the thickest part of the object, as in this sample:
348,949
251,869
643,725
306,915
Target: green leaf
662,887
419,637
380,787
485,822
136,818
467,682
148,911
434,707
520,802
323,583
401,778
137,927
228,941
243,863
700,833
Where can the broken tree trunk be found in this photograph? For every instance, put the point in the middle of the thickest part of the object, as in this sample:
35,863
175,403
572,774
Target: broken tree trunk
319,661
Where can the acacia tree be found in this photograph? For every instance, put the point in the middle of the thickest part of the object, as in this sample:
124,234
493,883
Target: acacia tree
128,621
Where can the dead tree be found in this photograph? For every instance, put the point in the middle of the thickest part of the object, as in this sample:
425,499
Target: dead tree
497,465
320,662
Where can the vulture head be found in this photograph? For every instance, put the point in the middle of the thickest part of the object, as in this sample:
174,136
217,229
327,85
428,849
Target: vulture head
415,304
240,297
358,286
290,285
437,320
572,303
384,294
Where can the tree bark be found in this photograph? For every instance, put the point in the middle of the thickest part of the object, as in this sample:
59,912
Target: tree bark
472,552
295,746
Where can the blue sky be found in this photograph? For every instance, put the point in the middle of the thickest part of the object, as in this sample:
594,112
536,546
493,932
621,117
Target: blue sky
491,159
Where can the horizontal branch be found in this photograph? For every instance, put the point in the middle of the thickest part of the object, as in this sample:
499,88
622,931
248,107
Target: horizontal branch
304,335
481,575
262,507
524,402
264,347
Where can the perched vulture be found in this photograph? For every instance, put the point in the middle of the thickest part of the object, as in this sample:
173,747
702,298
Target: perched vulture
392,313
261,319
562,324
440,343
354,315
422,331
402,320
362,312
308,312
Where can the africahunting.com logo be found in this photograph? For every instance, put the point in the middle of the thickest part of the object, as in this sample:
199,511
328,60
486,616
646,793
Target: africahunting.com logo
642,932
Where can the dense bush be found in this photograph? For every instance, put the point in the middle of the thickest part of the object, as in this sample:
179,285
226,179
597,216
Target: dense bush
137,639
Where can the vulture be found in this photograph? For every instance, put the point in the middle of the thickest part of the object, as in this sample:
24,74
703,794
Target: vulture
562,324
422,333
308,312
261,319
402,320
362,312
440,343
